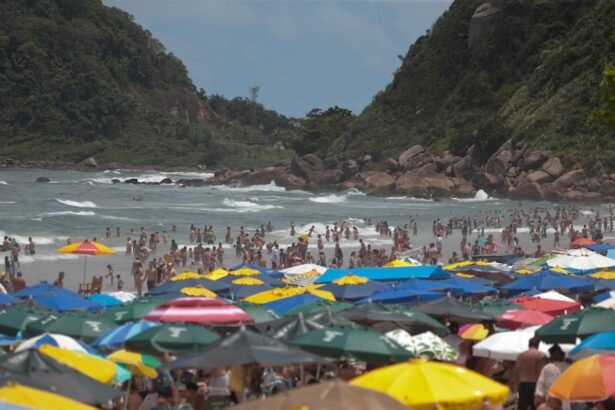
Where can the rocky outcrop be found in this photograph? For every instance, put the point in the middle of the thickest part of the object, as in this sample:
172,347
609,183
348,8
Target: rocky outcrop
553,167
377,182
481,23
90,163
405,159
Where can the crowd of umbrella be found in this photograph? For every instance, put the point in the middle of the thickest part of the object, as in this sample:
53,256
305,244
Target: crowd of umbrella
78,350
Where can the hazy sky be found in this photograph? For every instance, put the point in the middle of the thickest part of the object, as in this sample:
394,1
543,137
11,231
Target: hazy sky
302,53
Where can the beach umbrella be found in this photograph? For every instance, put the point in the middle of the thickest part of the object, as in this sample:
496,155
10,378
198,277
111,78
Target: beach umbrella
18,396
14,319
198,310
104,299
47,372
55,340
580,242
170,286
487,271
332,395
473,331
63,302
549,306
516,319
545,281
123,297
139,364
464,287
401,296
290,327
172,338
608,303
9,340
259,313
509,345
396,263
245,271
600,343
451,309
282,306
216,274
286,292
32,292
423,285
554,295
95,367
319,306
581,324
247,286
186,276
350,341
8,299
425,345
351,287
392,317
303,279
589,379
581,260
197,291
495,306
135,310
242,348
86,248
607,275
114,339
78,325
423,385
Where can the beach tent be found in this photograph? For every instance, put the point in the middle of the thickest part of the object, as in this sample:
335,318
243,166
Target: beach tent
581,260
387,274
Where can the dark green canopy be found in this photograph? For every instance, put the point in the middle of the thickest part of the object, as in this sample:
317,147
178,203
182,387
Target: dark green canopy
581,324
451,309
319,306
45,372
418,322
290,327
171,337
14,319
341,342
495,306
135,310
84,326
245,347
259,313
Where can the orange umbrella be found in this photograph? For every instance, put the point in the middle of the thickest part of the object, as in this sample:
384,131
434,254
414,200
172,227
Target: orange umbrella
580,242
474,331
86,248
589,379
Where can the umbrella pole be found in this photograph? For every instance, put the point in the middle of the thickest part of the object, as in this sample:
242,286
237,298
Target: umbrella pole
85,266
125,406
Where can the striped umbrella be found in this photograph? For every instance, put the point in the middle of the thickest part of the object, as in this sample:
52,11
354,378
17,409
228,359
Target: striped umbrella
474,331
205,311
115,338
56,340
86,248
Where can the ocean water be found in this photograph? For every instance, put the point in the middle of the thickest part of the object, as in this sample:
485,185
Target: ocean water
80,205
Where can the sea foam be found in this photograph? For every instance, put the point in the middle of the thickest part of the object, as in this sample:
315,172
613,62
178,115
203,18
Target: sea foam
84,204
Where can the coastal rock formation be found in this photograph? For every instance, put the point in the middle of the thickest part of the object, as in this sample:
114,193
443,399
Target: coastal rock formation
481,23
42,180
90,162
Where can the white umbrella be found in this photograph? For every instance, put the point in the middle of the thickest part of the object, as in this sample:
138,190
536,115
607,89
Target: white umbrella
301,269
124,297
554,295
608,303
426,345
509,345
53,339
581,260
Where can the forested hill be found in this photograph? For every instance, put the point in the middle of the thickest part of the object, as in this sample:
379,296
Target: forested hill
486,72
79,79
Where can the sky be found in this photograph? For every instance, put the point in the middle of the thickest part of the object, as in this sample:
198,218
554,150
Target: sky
303,54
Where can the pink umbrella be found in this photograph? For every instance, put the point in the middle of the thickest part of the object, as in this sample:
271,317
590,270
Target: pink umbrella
516,319
203,311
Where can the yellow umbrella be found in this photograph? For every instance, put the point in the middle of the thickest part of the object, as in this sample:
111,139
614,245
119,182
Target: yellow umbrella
525,271
610,275
186,276
397,263
464,275
350,279
31,398
138,364
86,248
456,265
198,291
325,294
216,274
424,385
245,271
97,368
274,294
248,281
560,270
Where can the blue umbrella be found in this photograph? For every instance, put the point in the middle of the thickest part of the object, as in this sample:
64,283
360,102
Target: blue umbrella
282,306
104,299
115,338
546,280
600,343
267,279
243,291
481,281
403,296
351,292
62,302
426,285
9,340
251,266
7,299
42,289
467,288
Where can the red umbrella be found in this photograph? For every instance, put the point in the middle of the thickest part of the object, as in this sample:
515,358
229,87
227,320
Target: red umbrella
580,242
516,319
549,306
204,311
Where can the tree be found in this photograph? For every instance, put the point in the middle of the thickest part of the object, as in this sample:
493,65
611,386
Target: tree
605,113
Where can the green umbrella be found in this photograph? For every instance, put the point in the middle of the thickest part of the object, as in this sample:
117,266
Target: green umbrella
418,322
344,341
451,309
135,310
581,324
291,327
319,306
77,325
495,307
170,337
259,313
15,318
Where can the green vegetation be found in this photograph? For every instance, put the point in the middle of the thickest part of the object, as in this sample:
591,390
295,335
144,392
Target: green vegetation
79,79
320,128
605,113
535,77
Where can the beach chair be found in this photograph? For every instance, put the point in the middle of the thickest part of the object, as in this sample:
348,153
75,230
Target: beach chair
95,286
217,399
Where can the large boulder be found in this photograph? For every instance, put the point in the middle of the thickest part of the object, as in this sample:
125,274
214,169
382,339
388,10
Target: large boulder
462,166
527,190
482,21
378,182
350,168
435,185
499,163
538,177
324,178
90,162
408,154
484,180
303,166
553,167
578,196
534,160
279,175
570,178
42,180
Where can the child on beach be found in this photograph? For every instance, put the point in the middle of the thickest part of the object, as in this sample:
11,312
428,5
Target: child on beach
120,283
